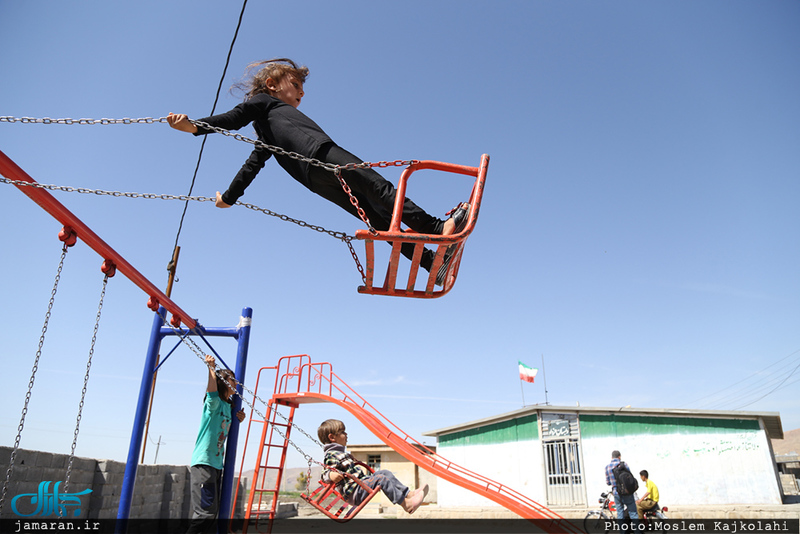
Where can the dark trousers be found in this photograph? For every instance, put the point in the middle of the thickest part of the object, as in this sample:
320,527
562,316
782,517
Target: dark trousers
205,498
375,196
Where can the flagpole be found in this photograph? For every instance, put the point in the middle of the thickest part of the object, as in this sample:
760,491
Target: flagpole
544,377
522,390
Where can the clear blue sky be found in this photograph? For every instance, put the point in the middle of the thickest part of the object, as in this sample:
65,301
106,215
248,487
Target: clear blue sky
639,227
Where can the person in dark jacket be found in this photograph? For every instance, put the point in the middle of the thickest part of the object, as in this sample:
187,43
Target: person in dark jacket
273,94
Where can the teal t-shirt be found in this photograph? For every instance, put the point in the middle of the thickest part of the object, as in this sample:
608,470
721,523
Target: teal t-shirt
209,449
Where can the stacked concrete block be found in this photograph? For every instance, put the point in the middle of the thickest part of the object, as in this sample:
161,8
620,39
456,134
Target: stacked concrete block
161,491
108,476
20,481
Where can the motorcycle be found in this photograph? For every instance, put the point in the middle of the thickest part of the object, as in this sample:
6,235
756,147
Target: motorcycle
599,521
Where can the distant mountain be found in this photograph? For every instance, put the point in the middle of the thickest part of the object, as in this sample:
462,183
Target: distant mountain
789,444
290,474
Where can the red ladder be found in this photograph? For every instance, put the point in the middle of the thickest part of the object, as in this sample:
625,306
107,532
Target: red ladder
276,430
397,237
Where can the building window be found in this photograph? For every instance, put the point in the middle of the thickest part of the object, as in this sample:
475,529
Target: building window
374,461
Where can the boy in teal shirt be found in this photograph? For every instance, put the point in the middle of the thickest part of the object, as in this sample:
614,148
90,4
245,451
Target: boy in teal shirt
209,450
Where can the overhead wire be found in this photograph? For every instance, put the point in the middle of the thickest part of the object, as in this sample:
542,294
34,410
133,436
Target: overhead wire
755,386
776,388
751,385
213,109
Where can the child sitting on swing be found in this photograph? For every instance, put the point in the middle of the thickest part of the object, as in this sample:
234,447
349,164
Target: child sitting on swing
272,96
337,461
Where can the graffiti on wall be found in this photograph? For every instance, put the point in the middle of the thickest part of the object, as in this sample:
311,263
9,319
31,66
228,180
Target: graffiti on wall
718,447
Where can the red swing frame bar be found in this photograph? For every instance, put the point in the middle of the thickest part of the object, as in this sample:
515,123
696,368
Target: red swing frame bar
72,224
454,242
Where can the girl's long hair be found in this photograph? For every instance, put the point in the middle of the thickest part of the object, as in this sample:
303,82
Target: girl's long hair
254,81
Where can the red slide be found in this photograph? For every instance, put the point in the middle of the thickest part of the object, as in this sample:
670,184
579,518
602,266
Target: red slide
298,383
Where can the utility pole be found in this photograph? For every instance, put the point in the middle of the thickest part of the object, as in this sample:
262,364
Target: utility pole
544,377
172,267
158,446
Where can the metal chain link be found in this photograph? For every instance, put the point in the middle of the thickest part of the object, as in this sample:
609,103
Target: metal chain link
336,169
199,353
155,196
48,120
85,383
342,236
308,480
10,469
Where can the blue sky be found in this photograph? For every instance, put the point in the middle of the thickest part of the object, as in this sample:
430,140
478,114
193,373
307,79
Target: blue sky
638,230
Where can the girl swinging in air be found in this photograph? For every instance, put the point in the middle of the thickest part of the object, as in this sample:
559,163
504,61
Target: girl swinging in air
273,94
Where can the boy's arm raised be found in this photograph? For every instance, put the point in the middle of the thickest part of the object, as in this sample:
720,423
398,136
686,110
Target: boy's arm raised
212,375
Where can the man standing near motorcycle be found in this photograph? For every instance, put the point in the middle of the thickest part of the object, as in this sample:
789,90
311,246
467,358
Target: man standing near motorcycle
625,500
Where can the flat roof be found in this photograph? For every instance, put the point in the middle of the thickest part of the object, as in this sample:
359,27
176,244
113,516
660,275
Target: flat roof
772,420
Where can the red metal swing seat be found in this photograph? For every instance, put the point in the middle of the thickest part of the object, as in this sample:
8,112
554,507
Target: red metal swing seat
397,237
327,499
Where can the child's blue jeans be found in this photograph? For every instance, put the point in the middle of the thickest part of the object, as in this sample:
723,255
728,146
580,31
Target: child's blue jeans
394,490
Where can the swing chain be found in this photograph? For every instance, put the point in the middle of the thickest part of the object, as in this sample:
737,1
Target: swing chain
355,258
199,353
308,479
48,120
100,192
345,238
85,383
336,169
354,201
10,469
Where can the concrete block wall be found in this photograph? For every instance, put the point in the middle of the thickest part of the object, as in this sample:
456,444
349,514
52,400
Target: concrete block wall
161,491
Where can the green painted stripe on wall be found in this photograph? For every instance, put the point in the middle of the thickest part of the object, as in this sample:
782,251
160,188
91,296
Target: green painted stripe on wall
522,429
600,426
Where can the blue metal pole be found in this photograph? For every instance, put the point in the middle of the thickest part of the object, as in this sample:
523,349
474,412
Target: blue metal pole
129,480
229,472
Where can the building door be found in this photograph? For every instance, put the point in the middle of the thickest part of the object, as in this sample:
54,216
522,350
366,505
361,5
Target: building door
563,460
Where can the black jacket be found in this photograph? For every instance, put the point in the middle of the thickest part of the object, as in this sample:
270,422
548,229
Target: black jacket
276,123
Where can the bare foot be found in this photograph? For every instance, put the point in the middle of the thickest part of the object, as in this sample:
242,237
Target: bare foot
449,226
412,501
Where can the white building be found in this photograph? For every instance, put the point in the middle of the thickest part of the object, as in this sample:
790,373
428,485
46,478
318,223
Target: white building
557,455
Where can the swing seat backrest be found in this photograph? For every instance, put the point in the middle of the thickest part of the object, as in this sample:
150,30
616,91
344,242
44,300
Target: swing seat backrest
451,246
327,499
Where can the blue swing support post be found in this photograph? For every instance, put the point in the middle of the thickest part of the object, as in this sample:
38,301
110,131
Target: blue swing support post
158,332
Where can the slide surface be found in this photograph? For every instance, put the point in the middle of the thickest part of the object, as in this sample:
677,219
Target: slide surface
417,453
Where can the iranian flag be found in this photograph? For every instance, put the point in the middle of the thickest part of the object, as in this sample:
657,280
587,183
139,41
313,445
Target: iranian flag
526,373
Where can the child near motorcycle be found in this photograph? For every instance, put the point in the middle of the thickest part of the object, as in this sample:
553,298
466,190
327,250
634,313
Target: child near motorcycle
650,499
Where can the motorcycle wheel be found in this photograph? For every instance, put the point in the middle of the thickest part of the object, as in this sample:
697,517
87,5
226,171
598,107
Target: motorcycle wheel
653,521
595,522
